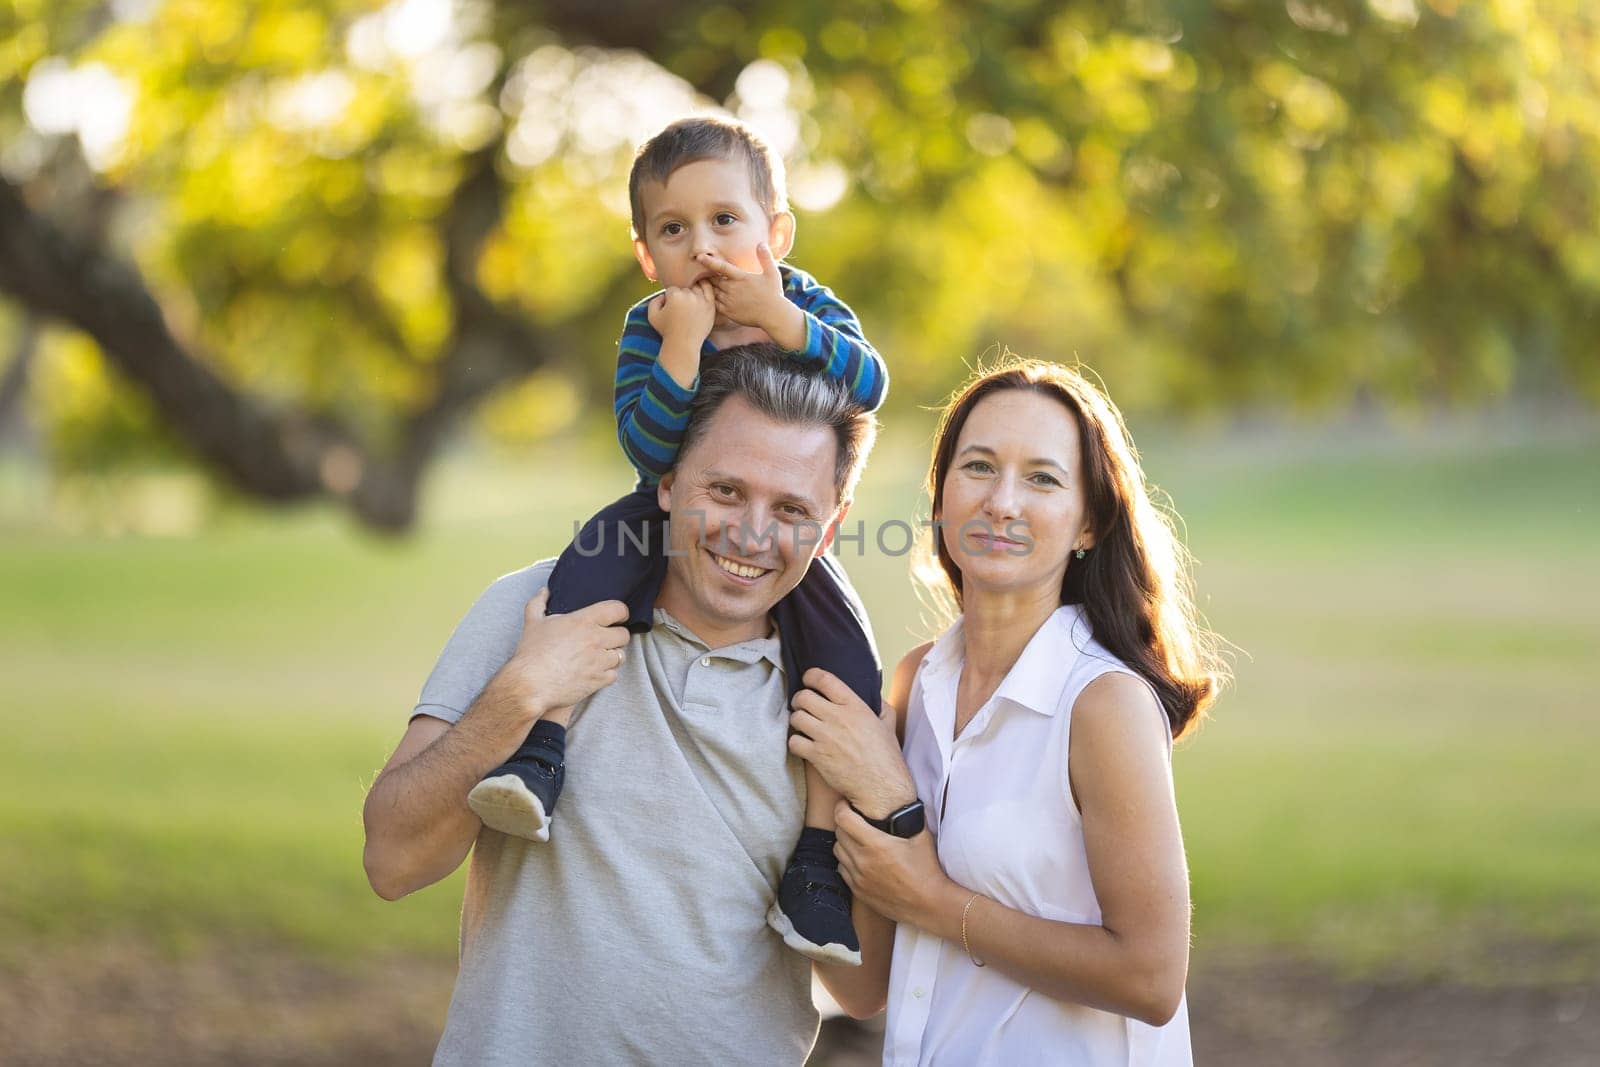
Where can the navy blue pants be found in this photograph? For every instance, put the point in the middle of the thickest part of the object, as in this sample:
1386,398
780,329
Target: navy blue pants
620,554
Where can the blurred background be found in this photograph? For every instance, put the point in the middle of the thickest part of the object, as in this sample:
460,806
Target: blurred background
307,327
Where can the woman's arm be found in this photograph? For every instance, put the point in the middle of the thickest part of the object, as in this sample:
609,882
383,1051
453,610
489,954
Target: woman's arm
861,991
1136,960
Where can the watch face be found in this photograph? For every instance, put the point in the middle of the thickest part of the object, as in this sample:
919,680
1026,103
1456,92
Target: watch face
907,822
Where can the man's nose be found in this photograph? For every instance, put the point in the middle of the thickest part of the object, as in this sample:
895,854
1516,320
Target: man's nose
755,532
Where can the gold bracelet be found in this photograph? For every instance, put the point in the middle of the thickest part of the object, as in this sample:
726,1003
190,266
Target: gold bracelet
976,962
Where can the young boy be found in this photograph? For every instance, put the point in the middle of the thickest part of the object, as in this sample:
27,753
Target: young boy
710,225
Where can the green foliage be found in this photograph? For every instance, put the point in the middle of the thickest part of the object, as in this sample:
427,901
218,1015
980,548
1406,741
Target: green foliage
1227,204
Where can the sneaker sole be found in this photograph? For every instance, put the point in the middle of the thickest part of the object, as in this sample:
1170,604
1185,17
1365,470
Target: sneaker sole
506,805
833,952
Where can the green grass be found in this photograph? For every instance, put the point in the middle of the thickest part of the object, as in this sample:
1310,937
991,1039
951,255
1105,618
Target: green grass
1401,778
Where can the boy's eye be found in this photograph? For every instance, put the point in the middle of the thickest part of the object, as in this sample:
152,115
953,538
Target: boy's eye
672,229
726,218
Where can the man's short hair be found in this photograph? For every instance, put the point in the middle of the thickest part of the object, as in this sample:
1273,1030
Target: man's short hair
788,392
702,137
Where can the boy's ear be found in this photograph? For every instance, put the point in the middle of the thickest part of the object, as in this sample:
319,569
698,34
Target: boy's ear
780,235
647,263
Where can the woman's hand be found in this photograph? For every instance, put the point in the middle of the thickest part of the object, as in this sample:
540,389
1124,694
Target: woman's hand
854,750
899,878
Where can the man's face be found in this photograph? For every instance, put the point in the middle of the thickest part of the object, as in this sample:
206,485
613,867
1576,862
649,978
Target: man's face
705,206
752,502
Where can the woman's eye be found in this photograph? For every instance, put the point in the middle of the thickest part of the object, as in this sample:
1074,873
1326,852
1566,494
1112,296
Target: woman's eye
722,489
1046,479
976,466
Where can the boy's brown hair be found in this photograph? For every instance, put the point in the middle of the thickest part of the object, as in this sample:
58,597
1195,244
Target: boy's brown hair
702,137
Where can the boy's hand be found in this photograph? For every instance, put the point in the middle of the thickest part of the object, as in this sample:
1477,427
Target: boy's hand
756,299
684,317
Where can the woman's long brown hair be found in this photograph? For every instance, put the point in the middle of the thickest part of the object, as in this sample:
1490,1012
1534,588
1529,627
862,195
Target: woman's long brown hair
1135,583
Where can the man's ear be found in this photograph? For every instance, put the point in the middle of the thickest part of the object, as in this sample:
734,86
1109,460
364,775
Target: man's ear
780,235
664,491
832,530
647,262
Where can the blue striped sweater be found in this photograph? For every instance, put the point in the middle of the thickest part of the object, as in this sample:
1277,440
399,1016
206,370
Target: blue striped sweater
652,409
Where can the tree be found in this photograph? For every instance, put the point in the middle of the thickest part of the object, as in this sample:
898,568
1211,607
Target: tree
339,229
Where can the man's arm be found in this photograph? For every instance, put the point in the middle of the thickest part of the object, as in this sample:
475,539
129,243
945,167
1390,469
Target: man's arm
863,991
418,825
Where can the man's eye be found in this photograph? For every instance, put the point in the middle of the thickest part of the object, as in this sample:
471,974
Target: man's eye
722,489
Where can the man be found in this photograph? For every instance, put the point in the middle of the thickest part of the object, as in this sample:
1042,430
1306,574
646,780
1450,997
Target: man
637,933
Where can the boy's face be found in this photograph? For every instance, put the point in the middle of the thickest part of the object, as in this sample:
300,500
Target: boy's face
705,206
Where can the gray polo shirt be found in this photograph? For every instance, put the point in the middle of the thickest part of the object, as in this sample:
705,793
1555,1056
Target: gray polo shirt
638,933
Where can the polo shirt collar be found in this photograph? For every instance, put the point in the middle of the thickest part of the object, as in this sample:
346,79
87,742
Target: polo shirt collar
752,650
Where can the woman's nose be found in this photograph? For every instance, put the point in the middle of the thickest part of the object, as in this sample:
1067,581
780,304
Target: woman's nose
1001,502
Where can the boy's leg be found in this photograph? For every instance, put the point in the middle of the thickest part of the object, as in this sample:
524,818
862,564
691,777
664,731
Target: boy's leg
821,624
618,555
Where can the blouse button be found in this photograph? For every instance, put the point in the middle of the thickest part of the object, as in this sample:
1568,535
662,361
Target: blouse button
919,992
705,661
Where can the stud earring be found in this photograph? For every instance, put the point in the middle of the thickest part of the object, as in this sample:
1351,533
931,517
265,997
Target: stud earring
1080,553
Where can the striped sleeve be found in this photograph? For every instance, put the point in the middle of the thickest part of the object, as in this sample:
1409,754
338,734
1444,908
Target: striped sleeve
834,340
652,409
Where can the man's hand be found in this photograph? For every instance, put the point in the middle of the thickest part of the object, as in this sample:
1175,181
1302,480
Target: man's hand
684,316
854,750
756,299
560,659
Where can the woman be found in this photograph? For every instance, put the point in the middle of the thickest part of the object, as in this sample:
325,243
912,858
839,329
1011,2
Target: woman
1045,916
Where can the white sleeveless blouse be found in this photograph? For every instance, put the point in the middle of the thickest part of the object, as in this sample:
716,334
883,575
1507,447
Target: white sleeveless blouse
1001,810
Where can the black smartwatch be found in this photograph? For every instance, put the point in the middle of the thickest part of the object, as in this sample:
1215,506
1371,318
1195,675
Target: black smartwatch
902,822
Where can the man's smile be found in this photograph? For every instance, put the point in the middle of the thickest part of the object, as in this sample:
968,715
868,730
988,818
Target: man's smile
745,572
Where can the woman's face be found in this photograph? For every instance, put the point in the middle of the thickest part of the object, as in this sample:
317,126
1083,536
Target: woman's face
1013,508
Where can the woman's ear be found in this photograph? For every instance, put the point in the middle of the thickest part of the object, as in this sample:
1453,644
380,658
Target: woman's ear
664,487
647,262
780,235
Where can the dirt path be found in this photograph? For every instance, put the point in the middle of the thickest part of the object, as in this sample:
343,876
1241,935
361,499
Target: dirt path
128,1004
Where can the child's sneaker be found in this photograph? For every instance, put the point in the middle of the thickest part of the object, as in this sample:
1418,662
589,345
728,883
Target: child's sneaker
812,912
519,796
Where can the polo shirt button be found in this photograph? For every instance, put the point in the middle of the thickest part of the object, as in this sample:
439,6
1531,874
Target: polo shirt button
705,661
919,992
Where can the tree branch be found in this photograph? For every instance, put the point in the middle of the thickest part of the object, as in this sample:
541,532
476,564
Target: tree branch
280,456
